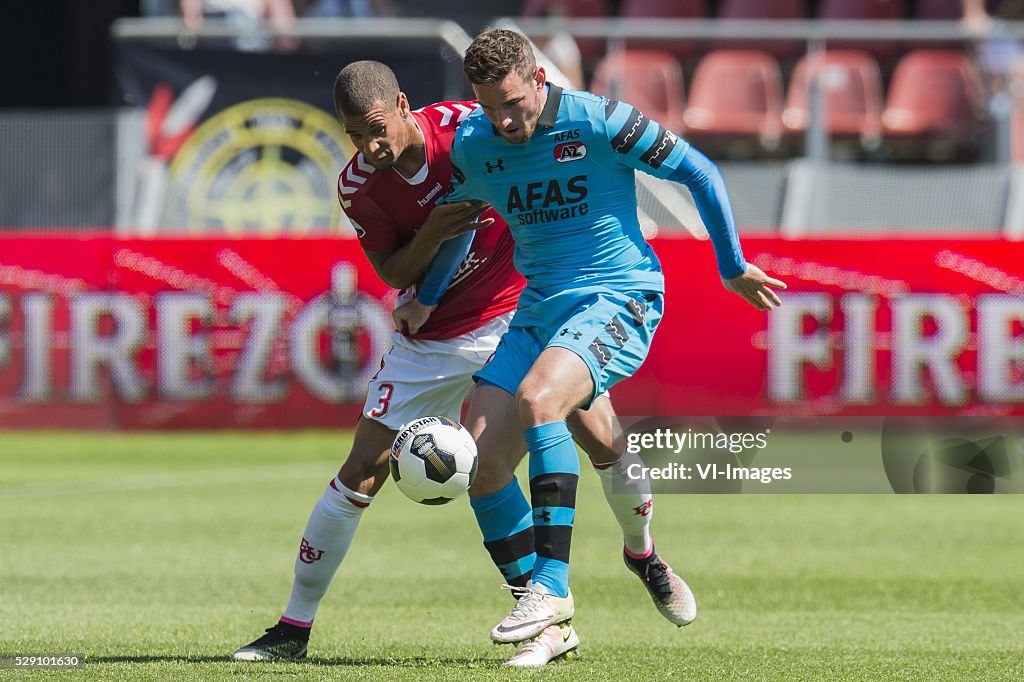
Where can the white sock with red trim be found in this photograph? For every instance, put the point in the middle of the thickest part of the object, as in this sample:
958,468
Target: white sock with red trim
328,534
632,503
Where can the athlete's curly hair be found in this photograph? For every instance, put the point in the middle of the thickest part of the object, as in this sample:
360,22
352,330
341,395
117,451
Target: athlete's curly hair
361,86
496,53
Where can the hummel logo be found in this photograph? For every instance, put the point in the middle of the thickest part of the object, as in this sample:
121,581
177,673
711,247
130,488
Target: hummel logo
544,516
575,335
499,165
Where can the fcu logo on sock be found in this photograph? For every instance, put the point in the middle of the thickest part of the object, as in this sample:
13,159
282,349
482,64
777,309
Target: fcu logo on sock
309,554
644,509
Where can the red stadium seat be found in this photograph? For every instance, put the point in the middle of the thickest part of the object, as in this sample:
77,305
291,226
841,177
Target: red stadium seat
939,10
664,9
677,9
861,9
936,94
853,96
590,49
649,80
565,8
759,9
737,93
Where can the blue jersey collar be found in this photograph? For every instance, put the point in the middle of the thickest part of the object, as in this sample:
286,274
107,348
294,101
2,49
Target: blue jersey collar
550,114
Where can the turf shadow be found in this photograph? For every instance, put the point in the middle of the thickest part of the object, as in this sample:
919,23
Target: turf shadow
389,661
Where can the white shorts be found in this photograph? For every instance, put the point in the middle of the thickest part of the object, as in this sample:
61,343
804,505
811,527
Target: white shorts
420,378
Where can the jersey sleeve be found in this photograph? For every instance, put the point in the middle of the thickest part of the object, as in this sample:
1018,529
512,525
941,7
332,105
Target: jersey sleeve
444,266
374,228
637,141
645,145
459,190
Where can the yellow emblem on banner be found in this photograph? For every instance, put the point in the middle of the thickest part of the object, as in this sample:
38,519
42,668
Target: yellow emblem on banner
265,166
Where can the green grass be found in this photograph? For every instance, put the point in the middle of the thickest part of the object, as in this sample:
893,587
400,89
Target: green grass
156,555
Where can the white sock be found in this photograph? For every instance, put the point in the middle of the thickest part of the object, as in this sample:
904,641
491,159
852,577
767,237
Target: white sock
632,503
328,534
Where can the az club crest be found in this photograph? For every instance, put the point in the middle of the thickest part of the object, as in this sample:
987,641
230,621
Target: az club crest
570,151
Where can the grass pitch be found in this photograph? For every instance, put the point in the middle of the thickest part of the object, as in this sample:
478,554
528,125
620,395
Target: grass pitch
157,555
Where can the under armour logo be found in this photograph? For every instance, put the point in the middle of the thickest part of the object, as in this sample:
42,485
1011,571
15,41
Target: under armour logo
309,554
644,509
543,515
499,165
575,335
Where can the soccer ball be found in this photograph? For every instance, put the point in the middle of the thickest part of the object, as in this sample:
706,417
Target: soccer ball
433,460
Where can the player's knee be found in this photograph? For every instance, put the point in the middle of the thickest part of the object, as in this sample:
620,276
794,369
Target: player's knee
493,473
539,403
360,472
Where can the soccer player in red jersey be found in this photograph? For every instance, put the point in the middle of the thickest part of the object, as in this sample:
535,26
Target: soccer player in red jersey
389,191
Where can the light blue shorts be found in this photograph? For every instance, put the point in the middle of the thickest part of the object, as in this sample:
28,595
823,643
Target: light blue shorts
609,330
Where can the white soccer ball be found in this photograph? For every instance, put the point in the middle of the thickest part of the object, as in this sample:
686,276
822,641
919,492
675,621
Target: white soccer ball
433,460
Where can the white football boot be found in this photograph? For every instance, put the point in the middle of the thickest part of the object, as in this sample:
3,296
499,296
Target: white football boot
671,595
535,610
556,641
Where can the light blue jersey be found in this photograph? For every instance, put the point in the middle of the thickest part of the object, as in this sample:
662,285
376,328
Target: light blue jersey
569,198
569,194
593,284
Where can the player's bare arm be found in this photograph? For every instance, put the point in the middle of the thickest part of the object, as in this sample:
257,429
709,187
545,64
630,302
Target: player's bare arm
756,288
403,267
411,315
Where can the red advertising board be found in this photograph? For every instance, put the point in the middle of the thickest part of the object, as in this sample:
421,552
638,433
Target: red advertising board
105,332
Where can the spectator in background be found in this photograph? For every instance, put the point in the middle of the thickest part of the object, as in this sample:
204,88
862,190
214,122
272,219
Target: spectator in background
279,13
561,48
999,56
359,9
564,53
158,8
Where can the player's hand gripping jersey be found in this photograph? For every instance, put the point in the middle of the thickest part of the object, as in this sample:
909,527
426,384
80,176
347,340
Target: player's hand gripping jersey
387,209
569,197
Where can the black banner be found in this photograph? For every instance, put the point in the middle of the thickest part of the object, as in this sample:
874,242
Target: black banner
240,135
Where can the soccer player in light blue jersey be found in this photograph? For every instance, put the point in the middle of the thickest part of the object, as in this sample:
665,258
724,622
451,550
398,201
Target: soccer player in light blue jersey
558,166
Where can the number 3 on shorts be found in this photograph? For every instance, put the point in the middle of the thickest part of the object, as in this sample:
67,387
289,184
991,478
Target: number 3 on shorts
384,402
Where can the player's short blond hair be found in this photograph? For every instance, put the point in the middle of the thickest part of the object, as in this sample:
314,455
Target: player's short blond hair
496,53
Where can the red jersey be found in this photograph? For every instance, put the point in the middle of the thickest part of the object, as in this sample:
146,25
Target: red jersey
387,208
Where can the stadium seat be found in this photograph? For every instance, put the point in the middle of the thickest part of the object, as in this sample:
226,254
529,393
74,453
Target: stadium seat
935,94
652,81
578,9
677,9
665,9
736,93
853,88
759,9
939,10
861,9
590,49
873,10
